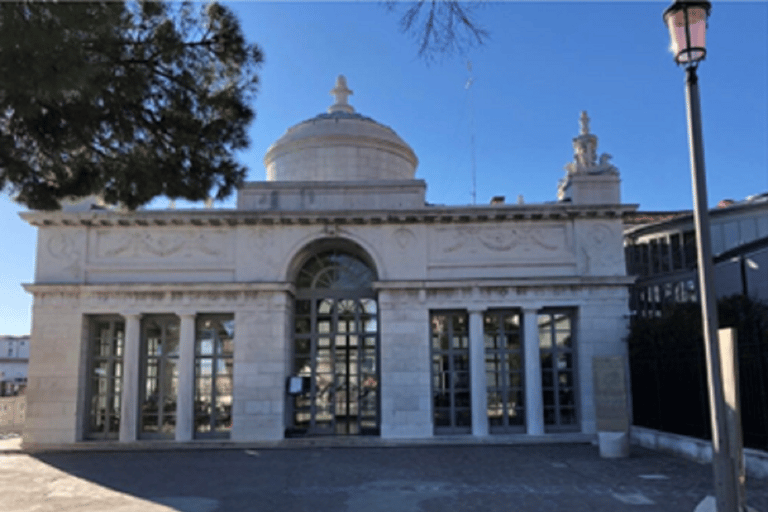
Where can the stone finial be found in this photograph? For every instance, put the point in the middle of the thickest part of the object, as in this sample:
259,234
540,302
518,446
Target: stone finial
585,158
589,179
584,122
341,92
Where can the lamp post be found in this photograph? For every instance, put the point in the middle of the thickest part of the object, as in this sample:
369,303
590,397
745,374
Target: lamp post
687,23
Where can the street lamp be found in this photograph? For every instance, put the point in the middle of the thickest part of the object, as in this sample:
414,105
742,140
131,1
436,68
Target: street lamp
687,23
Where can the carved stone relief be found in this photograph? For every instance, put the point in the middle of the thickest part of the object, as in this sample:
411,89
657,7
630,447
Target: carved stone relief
68,249
206,245
601,251
528,243
404,238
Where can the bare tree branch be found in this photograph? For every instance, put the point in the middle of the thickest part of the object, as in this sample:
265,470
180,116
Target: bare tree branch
441,27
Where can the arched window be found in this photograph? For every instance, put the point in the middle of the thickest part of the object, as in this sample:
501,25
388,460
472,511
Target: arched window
335,270
335,346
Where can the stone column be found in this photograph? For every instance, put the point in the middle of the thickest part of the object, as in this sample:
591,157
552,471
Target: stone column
534,405
186,397
478,380
129,405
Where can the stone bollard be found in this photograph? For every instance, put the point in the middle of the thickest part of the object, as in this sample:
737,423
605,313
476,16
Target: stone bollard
613,445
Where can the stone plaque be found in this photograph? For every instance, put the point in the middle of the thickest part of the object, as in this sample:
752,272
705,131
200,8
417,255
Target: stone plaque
610,384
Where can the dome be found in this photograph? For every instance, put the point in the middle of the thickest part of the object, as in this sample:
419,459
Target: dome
340,145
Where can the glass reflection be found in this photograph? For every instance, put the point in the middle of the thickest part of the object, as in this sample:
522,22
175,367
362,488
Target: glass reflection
504,367
214,375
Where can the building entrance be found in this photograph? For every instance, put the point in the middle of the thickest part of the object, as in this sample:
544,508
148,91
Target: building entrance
334,386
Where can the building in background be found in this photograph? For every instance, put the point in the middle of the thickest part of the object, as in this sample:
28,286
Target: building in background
661,252
333,300
14,360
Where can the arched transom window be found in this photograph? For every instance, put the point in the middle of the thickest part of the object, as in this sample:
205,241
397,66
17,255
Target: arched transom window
335,270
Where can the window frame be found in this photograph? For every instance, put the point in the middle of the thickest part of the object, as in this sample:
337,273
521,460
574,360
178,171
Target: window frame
503,356
557,425
438,356
215,357
165,320
92,324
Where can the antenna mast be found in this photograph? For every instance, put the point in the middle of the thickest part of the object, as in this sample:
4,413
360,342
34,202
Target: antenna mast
468,88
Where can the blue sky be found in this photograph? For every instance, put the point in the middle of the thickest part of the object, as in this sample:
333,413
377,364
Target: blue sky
544,63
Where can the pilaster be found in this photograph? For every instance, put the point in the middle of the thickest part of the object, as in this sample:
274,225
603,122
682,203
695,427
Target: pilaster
185,400
130,393
478,379
534,408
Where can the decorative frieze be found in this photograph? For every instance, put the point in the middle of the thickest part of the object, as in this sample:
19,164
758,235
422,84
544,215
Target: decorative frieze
204,245
56,297
568,292
513,244
142,297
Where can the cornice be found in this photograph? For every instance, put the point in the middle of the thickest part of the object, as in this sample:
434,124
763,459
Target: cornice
233,217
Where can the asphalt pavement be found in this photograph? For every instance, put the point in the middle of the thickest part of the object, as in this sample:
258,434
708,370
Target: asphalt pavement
424,478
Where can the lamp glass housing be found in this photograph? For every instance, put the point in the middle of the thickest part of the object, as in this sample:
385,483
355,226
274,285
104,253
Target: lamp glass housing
687,23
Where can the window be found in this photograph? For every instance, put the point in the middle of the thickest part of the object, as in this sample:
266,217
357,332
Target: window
689,249
450,372
677,252
504,371
665,261
335,270
214,356
644,259
160,374
105,376
557,349
655,257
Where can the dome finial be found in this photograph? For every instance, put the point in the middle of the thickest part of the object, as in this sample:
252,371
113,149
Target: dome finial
584,122
341,92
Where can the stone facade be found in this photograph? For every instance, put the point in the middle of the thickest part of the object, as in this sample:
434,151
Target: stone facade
108,274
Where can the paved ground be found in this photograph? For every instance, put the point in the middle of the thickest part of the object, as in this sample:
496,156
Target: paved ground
538,478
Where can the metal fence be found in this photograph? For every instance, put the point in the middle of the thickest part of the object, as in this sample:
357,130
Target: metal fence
669,393
13,411
668,372
753,382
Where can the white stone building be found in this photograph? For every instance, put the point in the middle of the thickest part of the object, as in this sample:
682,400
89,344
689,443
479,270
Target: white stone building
14,358
332,300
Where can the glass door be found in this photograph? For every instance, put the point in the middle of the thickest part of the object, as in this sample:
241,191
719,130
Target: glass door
335,352
160,376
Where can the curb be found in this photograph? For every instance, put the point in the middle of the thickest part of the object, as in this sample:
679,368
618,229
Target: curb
699,450
299,444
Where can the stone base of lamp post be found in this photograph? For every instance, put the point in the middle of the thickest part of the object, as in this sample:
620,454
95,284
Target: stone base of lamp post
709,504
